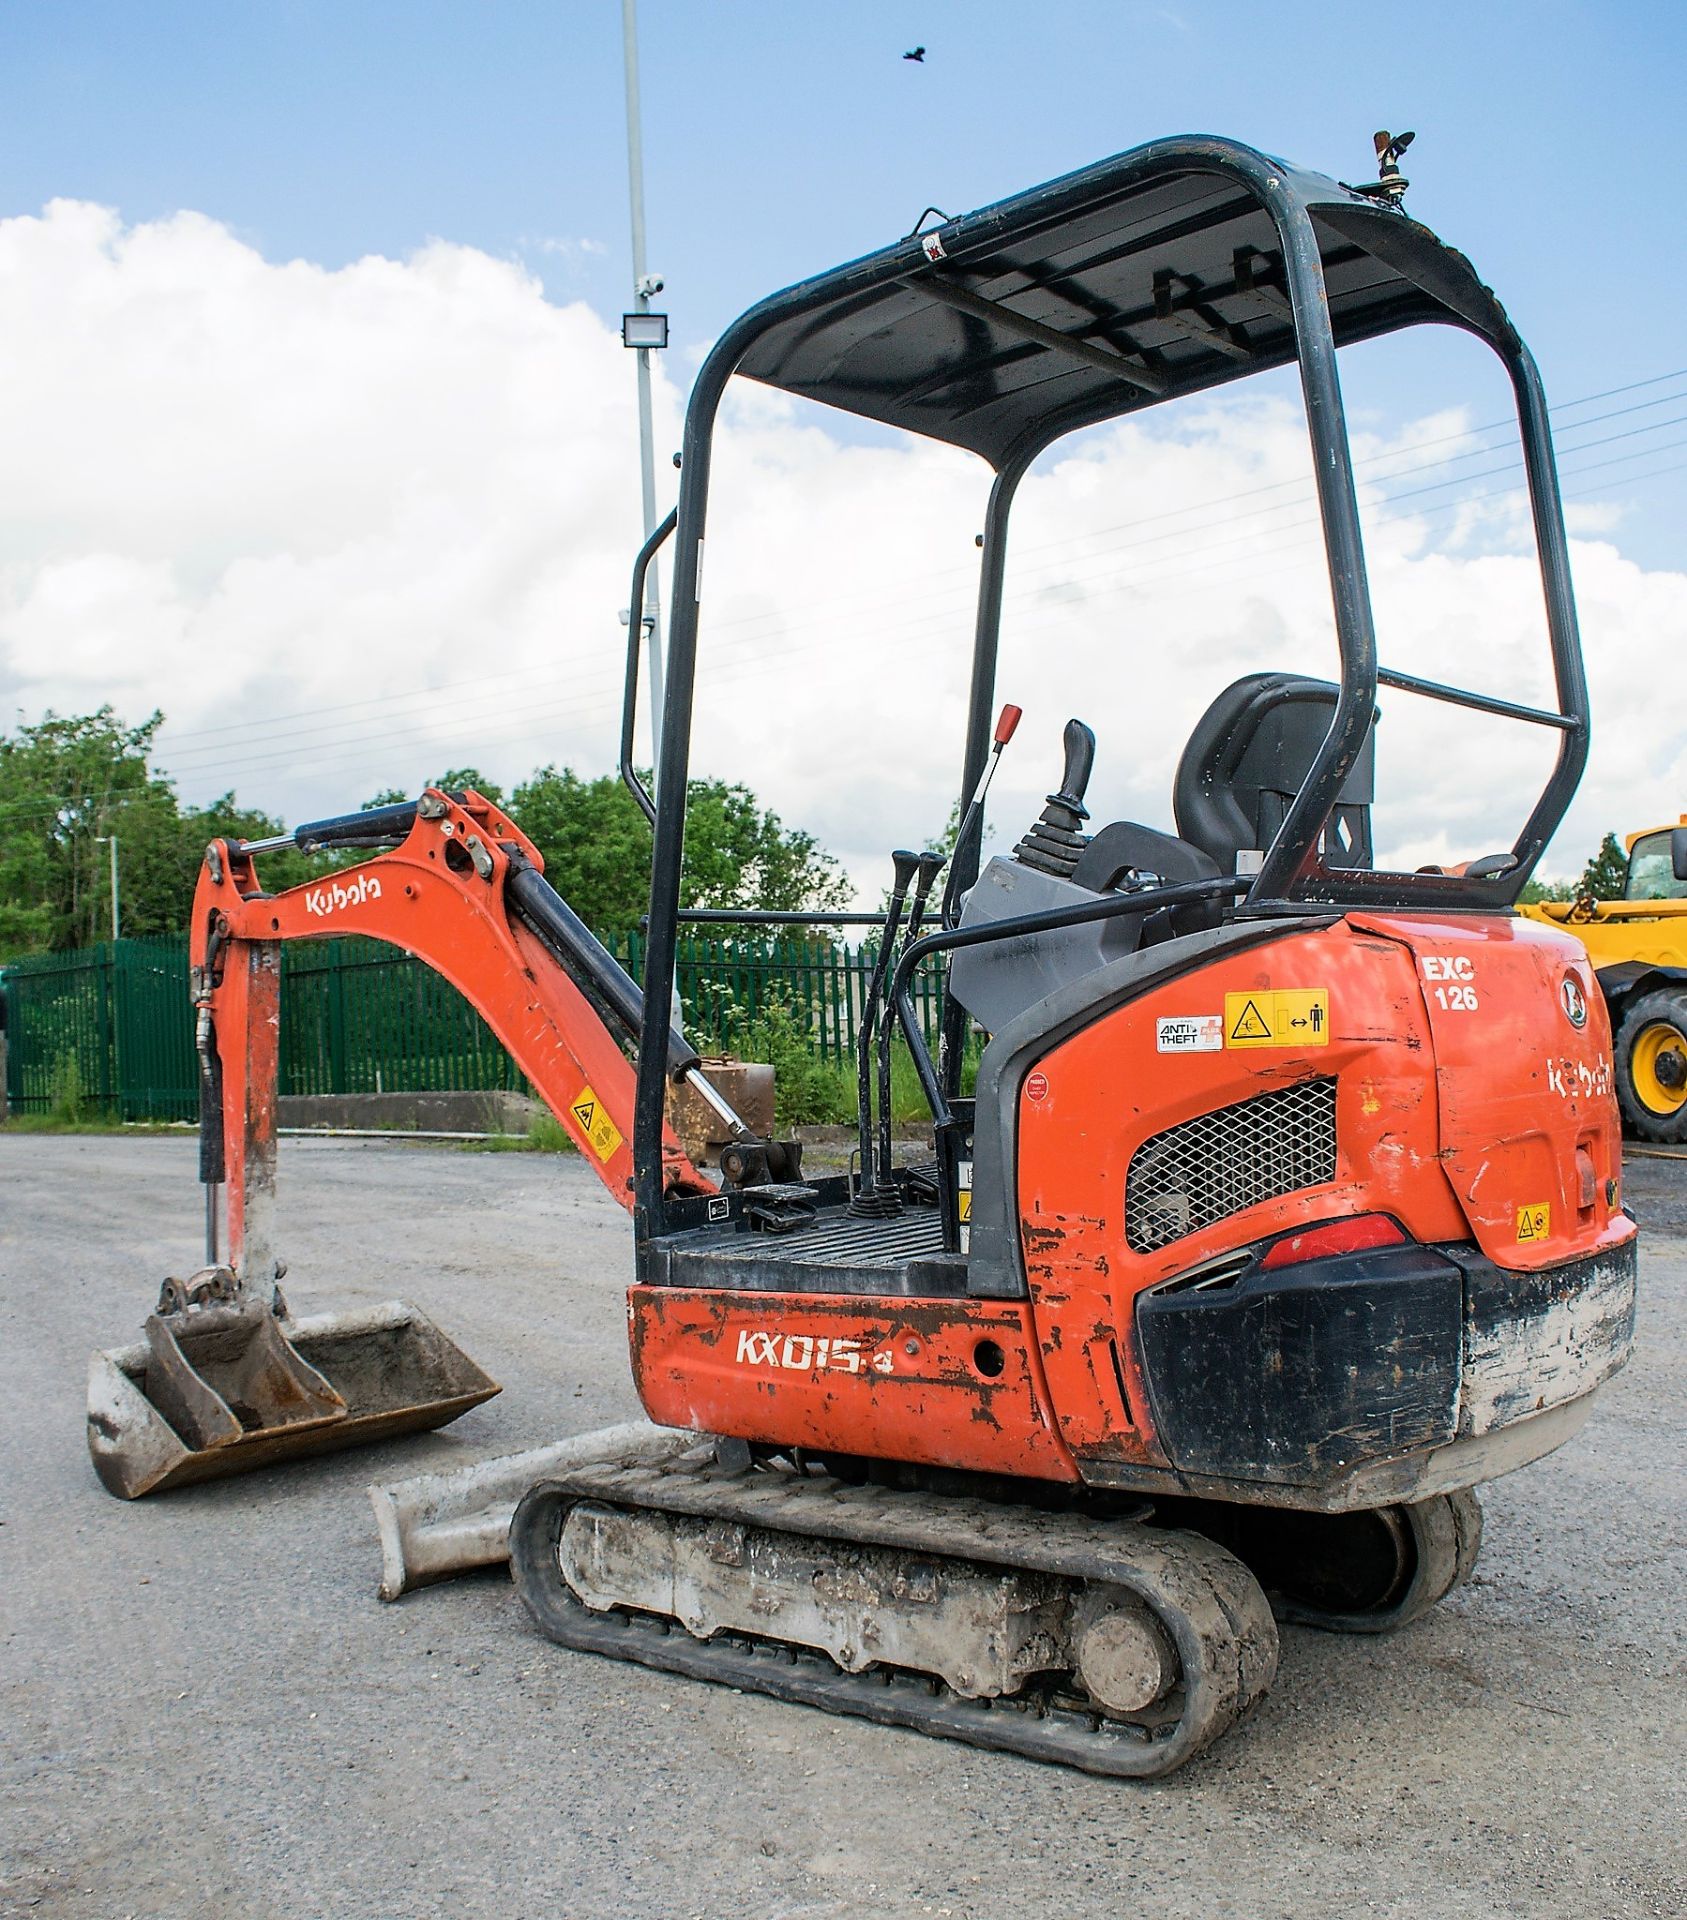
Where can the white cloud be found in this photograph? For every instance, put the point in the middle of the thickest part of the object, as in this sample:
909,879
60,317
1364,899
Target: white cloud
284,504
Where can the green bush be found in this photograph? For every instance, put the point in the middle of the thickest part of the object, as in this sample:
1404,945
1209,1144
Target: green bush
808,1091
547,1134
67,1103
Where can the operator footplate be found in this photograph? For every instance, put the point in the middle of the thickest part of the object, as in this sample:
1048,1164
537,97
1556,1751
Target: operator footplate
1108,1645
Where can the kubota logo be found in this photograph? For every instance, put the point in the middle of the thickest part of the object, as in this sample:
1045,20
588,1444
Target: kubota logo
331,898
1571,1078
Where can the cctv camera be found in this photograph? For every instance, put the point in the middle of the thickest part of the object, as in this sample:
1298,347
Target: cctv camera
648,284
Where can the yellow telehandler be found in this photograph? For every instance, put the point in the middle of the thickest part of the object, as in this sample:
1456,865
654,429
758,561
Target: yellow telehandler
1638,946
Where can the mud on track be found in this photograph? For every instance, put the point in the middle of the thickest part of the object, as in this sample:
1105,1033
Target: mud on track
204,1711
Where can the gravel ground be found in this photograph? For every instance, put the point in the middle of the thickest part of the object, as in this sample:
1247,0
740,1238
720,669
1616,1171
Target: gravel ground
205,1711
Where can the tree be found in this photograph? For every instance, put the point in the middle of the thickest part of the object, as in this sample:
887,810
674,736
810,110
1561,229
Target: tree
65,781
1606,874
597,847
453,780
71,781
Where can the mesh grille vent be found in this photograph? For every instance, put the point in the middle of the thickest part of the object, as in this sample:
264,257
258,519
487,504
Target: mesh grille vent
1219,1163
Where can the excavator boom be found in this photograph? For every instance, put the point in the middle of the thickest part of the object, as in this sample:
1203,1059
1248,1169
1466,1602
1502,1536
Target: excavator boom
225,1380
464,891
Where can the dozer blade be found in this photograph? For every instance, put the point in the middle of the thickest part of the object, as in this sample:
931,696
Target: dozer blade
231,1388
438,1525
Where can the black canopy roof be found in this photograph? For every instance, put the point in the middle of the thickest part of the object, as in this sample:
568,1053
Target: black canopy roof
1155,274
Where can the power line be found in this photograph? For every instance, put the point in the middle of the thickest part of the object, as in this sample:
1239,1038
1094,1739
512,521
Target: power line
1298,481
338,752
593,685
929,591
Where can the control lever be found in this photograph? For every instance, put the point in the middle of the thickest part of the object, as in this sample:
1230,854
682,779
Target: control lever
1006,721
867,1198
1057,838
1079,744
930,865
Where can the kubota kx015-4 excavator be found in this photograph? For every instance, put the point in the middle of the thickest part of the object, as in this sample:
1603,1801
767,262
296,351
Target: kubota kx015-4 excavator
1287,1205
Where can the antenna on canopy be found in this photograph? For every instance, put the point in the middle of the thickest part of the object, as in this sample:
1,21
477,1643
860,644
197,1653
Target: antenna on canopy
1391,184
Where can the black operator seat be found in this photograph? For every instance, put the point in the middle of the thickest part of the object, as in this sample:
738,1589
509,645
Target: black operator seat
1247,759
1241,770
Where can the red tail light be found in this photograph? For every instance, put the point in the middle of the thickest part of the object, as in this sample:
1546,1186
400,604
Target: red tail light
1352,1235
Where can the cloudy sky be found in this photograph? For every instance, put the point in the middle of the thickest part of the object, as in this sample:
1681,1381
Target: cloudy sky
321,438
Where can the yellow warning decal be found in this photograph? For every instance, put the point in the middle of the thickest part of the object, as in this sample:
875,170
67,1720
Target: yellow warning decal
965,1198
600,1131
1278,1017
1534,1223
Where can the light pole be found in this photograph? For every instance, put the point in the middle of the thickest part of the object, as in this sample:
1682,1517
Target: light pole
646,332
110,839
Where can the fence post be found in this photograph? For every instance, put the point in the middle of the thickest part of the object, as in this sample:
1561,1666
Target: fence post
108,1028
337,1022
120,999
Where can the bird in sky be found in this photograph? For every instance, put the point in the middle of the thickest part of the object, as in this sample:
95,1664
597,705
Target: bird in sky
916,53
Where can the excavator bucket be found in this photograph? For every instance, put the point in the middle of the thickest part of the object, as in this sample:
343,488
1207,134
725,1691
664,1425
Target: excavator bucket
222,1385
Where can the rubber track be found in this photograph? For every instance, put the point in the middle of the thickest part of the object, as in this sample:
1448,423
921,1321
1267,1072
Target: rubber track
1446,1537
1207,1601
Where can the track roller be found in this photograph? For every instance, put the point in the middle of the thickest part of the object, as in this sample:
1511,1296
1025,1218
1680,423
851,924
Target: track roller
1106,1645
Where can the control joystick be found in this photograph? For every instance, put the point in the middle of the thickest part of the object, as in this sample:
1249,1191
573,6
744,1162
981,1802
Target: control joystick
1056,838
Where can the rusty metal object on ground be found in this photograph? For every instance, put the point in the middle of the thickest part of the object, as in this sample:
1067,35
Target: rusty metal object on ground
156,1424
959,1617
745,1085
438,1525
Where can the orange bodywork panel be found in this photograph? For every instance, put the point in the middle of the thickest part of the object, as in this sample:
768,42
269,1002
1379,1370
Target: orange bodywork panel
1470,1066
1530,1135
948,1382
1467,1101
440,896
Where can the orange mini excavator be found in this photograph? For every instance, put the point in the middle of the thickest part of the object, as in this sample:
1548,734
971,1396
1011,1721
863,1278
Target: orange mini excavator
1287,1204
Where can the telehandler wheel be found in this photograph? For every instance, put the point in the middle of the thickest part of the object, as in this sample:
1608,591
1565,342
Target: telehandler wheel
1651,1060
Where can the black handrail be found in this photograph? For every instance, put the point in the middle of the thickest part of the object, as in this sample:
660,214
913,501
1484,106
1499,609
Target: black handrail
629,693
1480,702
1107,906
768,917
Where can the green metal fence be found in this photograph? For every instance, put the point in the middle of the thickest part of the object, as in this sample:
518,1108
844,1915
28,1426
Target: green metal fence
110,1028
107,1029
359,1016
